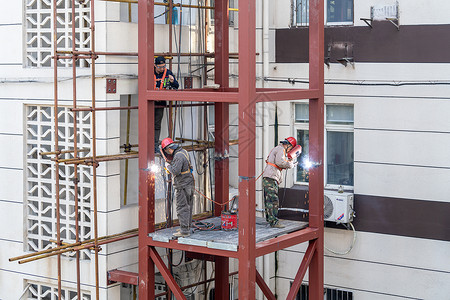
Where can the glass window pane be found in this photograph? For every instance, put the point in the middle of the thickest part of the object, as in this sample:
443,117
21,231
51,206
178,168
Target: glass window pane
302,113
302,12
303,140
339,11
340,158
340,114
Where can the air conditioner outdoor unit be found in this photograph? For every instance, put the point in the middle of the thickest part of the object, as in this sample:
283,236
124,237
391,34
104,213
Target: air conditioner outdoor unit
338,207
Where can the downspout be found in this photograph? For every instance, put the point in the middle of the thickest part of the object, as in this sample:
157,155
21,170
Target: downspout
265,115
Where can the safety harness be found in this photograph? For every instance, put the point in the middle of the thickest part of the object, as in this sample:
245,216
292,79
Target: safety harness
184,152
161,80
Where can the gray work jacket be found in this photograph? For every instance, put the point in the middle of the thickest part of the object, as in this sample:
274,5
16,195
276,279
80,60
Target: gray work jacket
179,167
278,157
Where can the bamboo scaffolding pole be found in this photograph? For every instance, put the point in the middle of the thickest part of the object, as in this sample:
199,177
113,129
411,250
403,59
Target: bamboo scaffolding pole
94,244
79,57
56,149
69,245
103,240
103,158
104,108
64,151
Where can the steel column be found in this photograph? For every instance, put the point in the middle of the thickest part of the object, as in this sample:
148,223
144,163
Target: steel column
316,141
221,74
247,131
146,147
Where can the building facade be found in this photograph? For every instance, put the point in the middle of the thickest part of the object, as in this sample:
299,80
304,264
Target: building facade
387,133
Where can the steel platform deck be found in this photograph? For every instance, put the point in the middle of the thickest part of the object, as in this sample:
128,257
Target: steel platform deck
226,240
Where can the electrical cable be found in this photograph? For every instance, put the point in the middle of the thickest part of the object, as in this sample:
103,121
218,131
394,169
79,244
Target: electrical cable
351,246
181,260
204,226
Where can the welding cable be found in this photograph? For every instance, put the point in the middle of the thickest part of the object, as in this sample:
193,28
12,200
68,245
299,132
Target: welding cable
181,260
349,249
204,226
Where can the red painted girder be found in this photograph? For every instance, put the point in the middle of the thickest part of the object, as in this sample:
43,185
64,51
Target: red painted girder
123,276
264,288
226,97
286,94
173,244
166,274
285,241
302,271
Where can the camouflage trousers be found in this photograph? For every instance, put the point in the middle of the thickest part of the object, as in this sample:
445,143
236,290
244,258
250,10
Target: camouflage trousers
270,187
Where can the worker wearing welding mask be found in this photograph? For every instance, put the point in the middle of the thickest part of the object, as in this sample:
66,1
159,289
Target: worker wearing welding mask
278,160
164,79
183,181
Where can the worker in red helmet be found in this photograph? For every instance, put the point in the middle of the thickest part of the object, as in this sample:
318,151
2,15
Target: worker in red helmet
183,182
277,161
163,79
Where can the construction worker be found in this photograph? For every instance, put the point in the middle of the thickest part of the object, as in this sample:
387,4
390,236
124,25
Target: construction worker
276,162
183,181
164,79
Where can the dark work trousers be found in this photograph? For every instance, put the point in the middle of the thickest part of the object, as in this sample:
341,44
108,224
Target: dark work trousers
185,202
159,113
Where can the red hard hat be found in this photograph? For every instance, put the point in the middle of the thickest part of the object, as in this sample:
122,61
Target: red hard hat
292,141
166,142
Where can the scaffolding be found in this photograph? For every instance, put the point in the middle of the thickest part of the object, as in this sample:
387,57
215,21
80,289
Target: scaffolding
246,96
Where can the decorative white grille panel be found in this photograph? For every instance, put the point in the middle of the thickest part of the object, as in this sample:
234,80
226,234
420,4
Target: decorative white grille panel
39,31
40,174
41,291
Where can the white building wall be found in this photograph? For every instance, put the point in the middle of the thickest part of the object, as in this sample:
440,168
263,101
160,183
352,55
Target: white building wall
400,137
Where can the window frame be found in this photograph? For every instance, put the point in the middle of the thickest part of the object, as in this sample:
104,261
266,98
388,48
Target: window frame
327,23
327,128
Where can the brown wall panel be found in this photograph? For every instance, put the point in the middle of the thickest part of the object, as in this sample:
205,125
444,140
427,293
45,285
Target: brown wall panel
396,216
383,43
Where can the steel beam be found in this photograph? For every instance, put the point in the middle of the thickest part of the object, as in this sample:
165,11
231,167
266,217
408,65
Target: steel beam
221,166
264,288
316,138
146,146
285,241
171,95
173,244
286,94
302,270
166,274
247,134
122,276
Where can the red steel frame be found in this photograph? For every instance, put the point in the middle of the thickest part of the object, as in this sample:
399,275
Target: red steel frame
246,96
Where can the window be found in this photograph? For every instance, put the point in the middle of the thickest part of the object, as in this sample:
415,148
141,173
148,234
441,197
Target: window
329,293
338,12
39,31
339,153
302,12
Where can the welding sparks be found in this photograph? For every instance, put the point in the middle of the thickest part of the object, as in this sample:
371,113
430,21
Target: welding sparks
154,168
307,164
